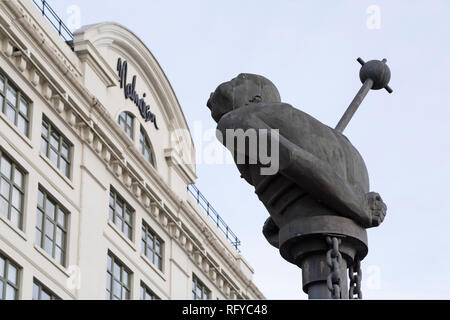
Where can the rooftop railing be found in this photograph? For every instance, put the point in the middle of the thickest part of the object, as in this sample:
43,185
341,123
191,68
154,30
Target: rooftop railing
54,20
212,213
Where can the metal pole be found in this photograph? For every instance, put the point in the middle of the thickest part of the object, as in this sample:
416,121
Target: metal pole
354,105
314,276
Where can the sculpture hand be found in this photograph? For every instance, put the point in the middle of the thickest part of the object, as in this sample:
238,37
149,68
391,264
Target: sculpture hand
376,207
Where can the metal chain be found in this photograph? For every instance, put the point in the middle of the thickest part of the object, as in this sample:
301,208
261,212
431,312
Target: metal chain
355,274
334,259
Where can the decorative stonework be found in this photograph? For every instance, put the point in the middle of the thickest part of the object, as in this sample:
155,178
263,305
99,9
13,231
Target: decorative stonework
113,159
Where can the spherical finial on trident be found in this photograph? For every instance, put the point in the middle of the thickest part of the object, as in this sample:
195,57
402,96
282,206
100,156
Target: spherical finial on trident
376,70
374,74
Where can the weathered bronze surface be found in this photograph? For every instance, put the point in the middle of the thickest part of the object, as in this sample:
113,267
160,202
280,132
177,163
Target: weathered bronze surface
322,185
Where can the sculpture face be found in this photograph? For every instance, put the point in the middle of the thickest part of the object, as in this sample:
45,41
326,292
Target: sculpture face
246,88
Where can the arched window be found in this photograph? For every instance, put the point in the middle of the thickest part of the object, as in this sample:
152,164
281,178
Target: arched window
145,147
126,120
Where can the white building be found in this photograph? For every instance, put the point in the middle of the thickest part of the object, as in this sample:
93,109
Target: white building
93,195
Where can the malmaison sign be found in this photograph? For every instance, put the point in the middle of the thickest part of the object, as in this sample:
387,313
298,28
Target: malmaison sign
130,92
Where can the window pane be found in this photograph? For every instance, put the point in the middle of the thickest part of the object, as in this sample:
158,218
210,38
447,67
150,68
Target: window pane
118,223
109,263
12,274
39,238
23,107
49,229
2,267
35,291
124,293
59,237
15,217
39,219
44,146
116,271
61,218
10,113
111,214
124,277
58,255
65,150
108,282
117,289
3,207
119,208
40,199
44,129
53,156
6,168
150,255
54,140
64,167
4,188
45,295
11,95
143,244
50,209
22,125
157,261
10,293
126,230
48,246
128,216
18,178
2,84
111,199
16,199
150,240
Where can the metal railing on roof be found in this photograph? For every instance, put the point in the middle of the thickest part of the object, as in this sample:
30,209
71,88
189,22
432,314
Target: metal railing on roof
54,20
212,213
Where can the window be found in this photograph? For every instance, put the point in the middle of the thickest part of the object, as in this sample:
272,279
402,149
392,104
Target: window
51,227
152,246
147,294
9,279
12,189
120,213
199,290
126,120
56,147
14,105
40,292
118,280
145,147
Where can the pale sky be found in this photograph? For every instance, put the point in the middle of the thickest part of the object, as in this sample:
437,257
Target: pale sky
309,50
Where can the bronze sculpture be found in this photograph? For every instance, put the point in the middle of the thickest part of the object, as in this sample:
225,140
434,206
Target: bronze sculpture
319,199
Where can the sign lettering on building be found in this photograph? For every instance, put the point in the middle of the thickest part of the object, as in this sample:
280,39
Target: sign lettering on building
130,92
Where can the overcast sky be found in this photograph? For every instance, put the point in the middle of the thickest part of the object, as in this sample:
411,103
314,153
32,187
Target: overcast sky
309,50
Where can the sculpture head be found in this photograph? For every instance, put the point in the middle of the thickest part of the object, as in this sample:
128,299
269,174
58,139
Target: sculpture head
241,91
